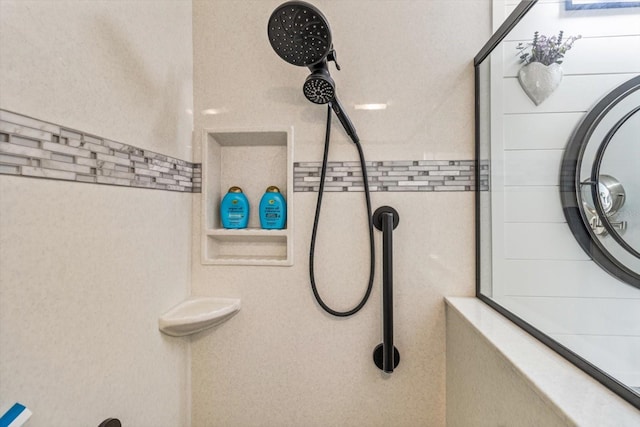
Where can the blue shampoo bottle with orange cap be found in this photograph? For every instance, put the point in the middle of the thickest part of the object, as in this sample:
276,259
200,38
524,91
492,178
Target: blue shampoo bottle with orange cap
273,209
234,209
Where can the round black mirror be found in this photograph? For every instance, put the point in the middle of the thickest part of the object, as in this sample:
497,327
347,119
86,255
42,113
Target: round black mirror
600,183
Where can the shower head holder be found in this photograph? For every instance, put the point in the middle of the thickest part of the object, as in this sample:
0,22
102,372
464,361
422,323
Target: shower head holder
333,56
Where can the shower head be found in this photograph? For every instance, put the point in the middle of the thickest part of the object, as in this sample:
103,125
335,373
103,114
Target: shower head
319,87
299,33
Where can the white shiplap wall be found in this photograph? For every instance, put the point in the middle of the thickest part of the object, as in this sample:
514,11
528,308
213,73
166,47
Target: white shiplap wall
539,270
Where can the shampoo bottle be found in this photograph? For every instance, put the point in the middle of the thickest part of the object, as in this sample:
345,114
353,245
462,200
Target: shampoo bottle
234,209
273,209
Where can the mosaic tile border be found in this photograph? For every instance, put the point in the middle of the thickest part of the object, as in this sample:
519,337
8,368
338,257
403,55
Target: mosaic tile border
398,175
33,148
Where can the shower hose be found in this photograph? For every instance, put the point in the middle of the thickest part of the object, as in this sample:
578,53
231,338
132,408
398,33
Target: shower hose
316,220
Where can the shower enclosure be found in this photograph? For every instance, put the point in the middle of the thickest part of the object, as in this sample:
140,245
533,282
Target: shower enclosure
558,206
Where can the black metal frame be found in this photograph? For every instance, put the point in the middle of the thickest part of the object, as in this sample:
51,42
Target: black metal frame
386,355
595,174
605,379
570,5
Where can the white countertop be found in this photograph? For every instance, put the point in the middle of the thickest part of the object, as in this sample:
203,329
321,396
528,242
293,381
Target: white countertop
574,393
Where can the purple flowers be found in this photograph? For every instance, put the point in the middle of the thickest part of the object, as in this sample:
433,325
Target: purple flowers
547,50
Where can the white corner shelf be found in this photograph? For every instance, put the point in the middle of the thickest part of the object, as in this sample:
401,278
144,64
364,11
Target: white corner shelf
196,314
252,159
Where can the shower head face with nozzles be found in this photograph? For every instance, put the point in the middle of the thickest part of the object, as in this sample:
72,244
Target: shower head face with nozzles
299,33
319,87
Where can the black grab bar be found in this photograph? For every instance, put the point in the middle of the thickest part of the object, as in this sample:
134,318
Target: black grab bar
385,355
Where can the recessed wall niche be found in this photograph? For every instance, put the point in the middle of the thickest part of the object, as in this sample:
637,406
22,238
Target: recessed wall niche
253,160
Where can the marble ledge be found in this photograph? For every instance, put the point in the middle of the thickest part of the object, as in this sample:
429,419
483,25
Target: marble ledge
565,387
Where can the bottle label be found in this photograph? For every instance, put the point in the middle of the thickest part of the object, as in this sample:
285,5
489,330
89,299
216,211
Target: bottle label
272,212
235,212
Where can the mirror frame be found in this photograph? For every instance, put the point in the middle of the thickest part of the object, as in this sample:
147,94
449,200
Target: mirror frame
570,185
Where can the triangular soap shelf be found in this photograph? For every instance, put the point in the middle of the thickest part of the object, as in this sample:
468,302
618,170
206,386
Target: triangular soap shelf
196,314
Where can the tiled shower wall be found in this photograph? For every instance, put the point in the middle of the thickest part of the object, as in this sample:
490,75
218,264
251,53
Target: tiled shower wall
329,377
33,148
85,270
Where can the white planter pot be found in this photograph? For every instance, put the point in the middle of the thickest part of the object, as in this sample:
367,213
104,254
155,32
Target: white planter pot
539,80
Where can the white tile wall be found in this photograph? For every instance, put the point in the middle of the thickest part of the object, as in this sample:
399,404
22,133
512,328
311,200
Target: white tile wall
522,133
541,241
580,316
532,167
584,279
533,204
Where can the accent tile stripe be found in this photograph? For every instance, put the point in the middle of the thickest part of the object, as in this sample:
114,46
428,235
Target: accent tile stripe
392,175
33,148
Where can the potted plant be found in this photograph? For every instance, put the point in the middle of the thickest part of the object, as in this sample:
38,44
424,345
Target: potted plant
542,73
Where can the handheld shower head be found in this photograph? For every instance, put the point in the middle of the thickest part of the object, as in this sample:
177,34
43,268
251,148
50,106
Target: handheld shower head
299,33
319,87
